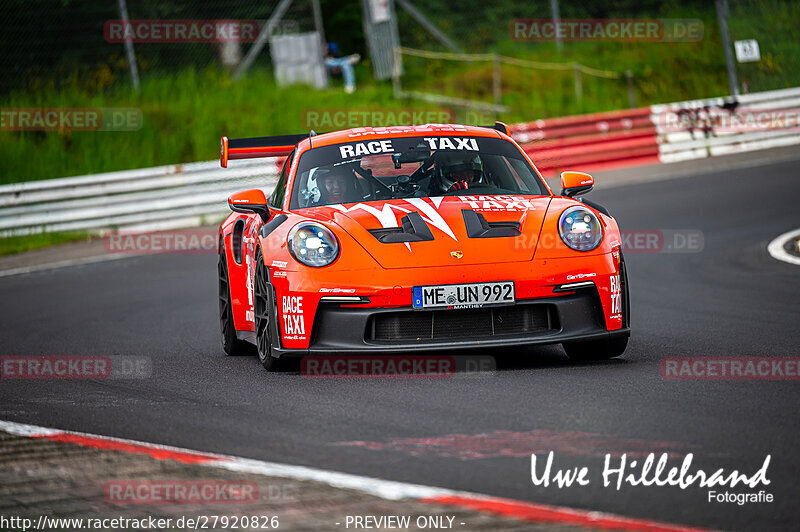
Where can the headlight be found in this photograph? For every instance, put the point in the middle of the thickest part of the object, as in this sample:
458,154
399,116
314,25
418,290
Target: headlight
580,229
313,244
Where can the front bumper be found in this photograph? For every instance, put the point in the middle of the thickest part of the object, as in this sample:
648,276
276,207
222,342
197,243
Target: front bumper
571,317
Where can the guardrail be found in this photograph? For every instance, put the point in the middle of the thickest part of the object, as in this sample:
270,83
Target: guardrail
663,133
159,198
619,136
710,133
168,197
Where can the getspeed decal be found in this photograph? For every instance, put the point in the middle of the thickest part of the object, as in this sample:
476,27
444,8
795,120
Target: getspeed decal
581,276
337,290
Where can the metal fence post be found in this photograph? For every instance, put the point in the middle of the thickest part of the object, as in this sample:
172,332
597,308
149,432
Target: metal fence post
318,24
265,33
123,14
631,95
576,68
497,81
397,88
722,16
417,15
556,22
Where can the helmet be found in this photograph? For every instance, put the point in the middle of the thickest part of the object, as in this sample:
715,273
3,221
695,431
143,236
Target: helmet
343,189
457,167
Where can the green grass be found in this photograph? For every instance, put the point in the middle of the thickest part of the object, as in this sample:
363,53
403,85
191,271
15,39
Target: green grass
662,72
186,112
184,116
21,244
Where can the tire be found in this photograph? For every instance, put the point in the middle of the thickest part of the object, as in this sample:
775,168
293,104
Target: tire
596,349
262,310
613,347
626,293
230,343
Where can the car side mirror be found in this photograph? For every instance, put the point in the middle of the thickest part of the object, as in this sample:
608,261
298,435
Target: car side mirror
252,200
574,183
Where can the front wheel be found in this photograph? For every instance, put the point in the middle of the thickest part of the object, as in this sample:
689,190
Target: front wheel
262,310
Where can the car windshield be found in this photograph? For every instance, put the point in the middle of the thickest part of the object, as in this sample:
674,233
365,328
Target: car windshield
412,167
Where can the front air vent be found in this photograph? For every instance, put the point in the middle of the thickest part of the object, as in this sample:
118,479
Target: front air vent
478,227
412,229
432,325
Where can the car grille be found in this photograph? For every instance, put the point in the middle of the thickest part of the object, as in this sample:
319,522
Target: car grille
414,325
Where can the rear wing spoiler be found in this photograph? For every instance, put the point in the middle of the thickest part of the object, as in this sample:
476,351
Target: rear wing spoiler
278,146
254,147
501,127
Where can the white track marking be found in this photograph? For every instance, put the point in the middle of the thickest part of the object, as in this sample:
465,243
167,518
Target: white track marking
65,264
384,489
775,248
21,429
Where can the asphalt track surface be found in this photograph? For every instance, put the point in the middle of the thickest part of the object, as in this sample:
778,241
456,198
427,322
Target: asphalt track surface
730,299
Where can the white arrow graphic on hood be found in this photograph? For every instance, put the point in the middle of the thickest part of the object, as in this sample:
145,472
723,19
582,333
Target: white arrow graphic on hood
387,217
431,215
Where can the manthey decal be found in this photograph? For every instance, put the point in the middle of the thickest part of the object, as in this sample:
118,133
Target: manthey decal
387,214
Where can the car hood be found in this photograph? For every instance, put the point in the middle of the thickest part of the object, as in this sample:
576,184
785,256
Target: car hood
452,239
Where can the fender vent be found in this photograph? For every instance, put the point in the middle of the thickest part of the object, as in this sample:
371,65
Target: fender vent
236,241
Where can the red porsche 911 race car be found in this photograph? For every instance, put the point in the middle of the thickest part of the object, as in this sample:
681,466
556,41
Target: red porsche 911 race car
407,239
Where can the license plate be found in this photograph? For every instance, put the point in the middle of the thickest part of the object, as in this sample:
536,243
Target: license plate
472,295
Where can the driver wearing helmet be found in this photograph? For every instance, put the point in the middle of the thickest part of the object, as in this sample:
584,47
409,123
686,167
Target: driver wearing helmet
336,185
457,171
